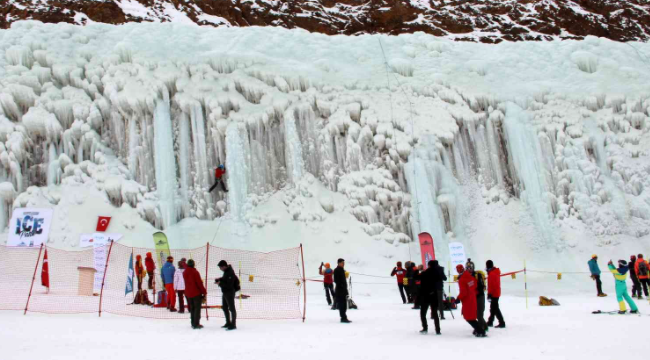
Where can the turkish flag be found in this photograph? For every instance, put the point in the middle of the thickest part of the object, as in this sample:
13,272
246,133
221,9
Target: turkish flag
102,223
45,272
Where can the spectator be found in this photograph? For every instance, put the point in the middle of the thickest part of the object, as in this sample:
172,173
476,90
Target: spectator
195,292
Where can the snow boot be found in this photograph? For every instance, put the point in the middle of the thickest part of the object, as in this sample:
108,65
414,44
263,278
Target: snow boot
231,328
438,332
227,325
602,295
345,321
481,335
424,332
634,312
501,326
622,312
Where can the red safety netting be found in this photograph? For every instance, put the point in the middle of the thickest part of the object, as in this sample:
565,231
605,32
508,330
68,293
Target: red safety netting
16,272
272,283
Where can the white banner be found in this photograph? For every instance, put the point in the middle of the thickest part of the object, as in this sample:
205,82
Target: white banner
100,243
88,240
457,255
29,227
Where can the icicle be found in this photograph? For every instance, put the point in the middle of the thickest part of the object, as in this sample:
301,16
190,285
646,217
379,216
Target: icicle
294,148
238,171
165,164
184,162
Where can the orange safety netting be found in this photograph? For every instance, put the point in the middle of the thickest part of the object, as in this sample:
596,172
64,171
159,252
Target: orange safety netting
272,283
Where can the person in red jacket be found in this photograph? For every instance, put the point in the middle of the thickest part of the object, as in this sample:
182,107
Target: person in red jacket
219,172
494,293
642,271
328,281
400,273
467,295
150,266
195,292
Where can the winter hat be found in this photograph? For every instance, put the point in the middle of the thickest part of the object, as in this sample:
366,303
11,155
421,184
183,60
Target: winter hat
222,263
469,265
594,256
340,261
632,258
327,265
435,263
640,256
622,263
432,263
148,254
170,259
190,263
181,264
138,257
460,269
399,263
489,264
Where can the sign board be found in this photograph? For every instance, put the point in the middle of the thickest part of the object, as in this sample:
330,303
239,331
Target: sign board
29,227
457,255
88,240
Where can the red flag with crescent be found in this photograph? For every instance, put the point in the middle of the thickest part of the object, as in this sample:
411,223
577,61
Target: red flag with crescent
45,271
426,248
102,223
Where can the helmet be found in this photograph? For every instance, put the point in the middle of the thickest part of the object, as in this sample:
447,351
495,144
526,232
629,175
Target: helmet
327,265
594,256
460,268
221,167
622,263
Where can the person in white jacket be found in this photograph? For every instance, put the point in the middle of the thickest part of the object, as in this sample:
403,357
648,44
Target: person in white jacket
179,286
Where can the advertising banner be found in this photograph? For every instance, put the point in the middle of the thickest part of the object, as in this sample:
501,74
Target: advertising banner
29,227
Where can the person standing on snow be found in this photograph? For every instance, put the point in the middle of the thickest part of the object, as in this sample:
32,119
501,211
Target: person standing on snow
139,271
218,174
408,280
341,291
228,283
168,271
595,274
195,292
428,280
480,294
399,272
150,266
179,285
415,290
438,287
636,285
494,293
328,281
643,273
620,275
467,296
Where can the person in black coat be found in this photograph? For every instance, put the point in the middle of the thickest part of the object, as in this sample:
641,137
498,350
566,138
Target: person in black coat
227,285
409,281
427,297
341,291
438,288
636,284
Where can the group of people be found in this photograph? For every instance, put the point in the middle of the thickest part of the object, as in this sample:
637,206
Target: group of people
639,270
425,289
186,283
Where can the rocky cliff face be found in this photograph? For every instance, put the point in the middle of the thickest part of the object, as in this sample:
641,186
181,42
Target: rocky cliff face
488,21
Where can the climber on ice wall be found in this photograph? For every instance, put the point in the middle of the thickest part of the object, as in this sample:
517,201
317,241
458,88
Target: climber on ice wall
218,174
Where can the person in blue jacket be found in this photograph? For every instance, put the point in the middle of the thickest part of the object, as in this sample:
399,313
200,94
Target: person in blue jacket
595,274
620,275
167,273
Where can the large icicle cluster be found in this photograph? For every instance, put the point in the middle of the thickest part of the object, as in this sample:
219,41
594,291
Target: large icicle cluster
401,142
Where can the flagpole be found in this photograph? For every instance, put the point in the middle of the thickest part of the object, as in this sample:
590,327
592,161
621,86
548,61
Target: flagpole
132,287
38,259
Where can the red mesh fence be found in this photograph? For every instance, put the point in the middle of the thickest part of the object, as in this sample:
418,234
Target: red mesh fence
272,283
16,272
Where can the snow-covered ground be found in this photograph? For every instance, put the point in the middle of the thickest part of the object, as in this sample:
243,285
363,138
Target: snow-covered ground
383,328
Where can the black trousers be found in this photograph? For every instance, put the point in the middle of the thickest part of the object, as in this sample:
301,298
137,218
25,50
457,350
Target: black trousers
329,293
195,310
426,301
219,181
495,311
599,284
645,283
636,287
181,300
409,294
401,292
229,310
342,305
439,294
480,311
476,326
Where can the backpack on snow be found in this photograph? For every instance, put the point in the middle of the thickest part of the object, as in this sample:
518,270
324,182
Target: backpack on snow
449,304
643,269
544,301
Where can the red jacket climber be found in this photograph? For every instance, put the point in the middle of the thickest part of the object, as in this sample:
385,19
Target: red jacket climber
218,174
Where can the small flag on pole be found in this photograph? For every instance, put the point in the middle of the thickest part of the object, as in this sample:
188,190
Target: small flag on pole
45,272
129,278
102,223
